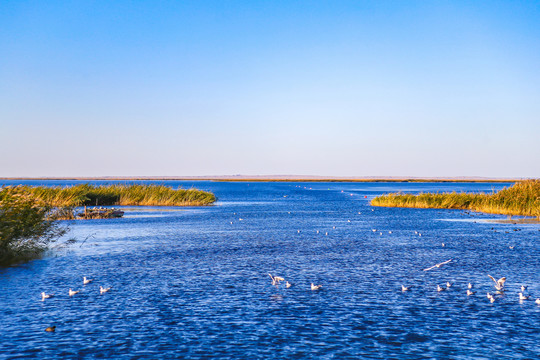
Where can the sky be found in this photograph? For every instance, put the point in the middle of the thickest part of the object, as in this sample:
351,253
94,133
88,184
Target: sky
328,88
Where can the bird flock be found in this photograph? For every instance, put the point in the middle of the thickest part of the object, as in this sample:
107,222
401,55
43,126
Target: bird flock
71,292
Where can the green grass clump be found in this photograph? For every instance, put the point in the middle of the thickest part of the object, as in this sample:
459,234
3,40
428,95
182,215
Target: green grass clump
523,198
103,195
26,229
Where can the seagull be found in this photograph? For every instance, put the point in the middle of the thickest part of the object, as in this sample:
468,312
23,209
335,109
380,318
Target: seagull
87,281
511,247
315,287
489,296
317,231
103,290
405,288
469,286
499,284
523,288
45,296
71,292
389,232
470,292
492,299
374,230
537,301
288,284
443,244
523,297
50,329
438,265
448,285
276,279
439,288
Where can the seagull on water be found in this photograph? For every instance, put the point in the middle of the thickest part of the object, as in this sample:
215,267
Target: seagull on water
288,284
71,292
276,279
537,301
103,290
470,292
439,288
523,288
50,329
45,296
315,287
87,281
499,284
448,285
438,265
469,286
405,288
523,297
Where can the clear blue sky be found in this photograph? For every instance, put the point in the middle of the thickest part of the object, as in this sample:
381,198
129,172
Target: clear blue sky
336,88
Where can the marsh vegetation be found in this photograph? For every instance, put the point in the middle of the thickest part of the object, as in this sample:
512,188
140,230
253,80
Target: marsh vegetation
523,198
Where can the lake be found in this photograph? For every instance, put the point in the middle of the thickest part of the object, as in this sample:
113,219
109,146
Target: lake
193,282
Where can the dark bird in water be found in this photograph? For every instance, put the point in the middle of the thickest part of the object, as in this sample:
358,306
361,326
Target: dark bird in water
51,329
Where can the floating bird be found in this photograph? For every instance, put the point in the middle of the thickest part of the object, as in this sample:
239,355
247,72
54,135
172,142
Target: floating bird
315,287
438,265
380,233
523,297
537,301
326,233
389,232
405,288
443,245
299,231
470,292
71,292
288,284
374,230
416,232
523,288
511,247
448,285
88,281
499,284
317,231
51,329
276,279
348,220
489,296
45,296
231,222
469,286
492,299
103,290
440,288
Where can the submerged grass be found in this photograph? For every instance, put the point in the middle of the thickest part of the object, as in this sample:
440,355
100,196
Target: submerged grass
103,195
523,198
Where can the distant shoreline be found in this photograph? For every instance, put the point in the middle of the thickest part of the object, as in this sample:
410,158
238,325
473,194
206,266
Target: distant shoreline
279,178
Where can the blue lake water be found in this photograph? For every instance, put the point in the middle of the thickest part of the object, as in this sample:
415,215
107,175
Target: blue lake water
189,284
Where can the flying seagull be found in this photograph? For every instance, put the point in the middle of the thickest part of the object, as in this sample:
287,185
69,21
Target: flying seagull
499,284
438,265
275,279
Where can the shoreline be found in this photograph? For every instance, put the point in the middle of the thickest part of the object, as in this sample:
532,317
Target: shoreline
277,178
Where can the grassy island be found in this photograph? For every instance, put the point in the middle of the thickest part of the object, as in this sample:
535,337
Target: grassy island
103,195
523,198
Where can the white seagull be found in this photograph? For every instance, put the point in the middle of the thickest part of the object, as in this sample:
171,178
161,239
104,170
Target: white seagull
438,265
439,288
288,284
537,301
448,285
315,287
470,292
103,290
45,296
499,284
276,279
469,286
405,288
523,288
87,281
71,292
523,297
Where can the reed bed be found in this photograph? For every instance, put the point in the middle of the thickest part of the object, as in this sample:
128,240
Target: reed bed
521,199
103,195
